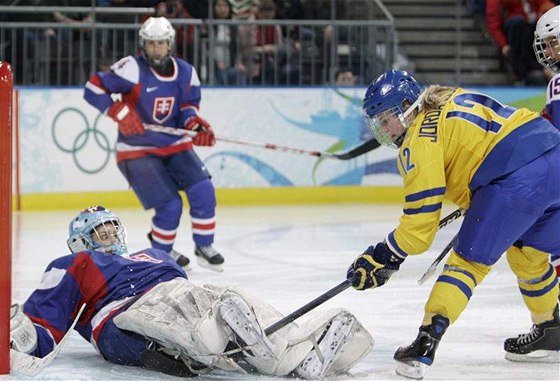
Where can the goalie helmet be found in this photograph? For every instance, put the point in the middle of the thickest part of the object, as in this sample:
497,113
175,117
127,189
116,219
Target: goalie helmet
547,39
156,29
93,226
385,103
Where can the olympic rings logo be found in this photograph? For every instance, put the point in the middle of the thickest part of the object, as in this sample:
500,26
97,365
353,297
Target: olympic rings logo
82,139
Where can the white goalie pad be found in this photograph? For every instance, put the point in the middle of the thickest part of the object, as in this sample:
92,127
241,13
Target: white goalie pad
330,343
340,341
181,316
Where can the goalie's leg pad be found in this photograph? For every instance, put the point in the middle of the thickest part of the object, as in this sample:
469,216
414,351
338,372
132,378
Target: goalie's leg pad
249,333
179,315
341,343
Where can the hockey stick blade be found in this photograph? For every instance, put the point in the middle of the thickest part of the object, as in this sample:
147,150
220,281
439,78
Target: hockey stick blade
308,307
365,147
30,365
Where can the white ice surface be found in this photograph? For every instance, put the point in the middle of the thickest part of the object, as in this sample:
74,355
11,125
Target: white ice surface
288,256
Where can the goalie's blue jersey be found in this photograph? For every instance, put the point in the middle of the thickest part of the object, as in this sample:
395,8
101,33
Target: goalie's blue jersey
161,100
452,151
106,283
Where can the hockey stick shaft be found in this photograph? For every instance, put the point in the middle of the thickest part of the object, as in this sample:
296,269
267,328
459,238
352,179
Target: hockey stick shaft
340,287
322,154
308,307
433,267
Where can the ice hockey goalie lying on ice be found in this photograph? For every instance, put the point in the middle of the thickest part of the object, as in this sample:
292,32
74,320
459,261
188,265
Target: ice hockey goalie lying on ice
141,310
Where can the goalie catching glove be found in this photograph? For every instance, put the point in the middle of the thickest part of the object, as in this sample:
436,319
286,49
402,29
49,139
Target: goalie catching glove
374,267
204,132
126,117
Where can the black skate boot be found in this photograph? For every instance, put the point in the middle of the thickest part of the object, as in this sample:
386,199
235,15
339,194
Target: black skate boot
209,257
541,344
156,358
179,258
413,360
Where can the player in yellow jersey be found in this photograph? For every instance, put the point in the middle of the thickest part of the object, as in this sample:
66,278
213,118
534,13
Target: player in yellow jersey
501,163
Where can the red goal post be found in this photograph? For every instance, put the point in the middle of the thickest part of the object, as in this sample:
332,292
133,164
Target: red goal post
6,89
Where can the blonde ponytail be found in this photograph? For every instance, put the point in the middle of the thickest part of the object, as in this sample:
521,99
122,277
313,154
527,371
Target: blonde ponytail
435,96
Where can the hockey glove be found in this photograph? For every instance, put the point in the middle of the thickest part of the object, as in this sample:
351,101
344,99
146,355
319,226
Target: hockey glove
126,117
205,133
374,267
23,337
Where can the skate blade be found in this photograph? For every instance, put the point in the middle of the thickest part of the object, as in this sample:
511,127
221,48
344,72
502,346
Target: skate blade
535,356
411,369
204,263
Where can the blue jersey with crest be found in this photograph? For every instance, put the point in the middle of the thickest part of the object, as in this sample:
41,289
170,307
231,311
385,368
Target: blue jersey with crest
106,283
552,106
157,99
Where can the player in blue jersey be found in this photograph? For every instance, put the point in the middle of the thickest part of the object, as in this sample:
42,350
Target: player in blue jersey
547,50
501,163
159,89
142,311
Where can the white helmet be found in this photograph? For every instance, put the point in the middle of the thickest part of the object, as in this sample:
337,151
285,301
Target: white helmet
547,39
157,29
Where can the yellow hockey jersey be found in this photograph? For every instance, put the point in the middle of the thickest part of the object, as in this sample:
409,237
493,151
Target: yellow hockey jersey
452,151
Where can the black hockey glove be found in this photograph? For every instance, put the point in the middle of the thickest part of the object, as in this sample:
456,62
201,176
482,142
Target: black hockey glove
374,267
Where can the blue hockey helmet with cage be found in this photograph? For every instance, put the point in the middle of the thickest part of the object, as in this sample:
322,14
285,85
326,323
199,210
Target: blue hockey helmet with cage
392,91
95,221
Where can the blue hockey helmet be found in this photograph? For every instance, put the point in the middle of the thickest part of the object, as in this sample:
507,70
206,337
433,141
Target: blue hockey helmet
387,98
97,228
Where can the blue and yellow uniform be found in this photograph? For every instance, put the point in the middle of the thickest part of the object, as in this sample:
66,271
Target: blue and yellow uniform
501,163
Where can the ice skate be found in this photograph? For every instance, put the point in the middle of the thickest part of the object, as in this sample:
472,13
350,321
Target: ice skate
413,360
209,257
179,258
541,344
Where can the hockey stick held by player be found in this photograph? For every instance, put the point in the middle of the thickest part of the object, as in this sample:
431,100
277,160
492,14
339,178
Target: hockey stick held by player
141,310
158,88
501,163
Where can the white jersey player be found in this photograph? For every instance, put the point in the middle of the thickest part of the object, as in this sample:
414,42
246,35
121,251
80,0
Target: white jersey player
547,50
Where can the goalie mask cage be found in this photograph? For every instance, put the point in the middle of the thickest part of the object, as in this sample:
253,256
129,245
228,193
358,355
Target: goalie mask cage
6,85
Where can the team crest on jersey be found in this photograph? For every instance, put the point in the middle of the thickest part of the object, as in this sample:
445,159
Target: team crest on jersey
163,107
143,257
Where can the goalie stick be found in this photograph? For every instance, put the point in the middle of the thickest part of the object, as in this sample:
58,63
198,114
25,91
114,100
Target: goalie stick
359,150
31,365
346,284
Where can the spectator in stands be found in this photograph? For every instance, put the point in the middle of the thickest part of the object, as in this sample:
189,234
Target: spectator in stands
243,9
72,41
227,70
345,77
177,9
20,46
265,53
511,23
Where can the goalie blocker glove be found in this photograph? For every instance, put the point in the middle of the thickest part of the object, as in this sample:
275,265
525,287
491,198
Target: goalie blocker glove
205,133
374,267
23,336
126,117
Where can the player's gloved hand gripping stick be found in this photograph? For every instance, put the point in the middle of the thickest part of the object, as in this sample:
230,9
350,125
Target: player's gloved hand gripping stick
348,282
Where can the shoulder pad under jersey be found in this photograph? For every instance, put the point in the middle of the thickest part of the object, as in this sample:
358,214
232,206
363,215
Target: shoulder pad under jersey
127,68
